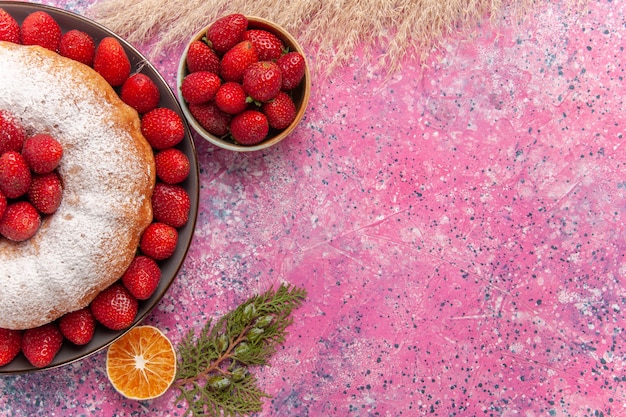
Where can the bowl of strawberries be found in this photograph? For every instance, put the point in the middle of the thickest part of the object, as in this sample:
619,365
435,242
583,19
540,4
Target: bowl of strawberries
243,83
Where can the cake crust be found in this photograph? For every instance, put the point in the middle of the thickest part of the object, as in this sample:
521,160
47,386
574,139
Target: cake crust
108,176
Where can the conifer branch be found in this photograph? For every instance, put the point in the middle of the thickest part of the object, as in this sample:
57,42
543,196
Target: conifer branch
213,373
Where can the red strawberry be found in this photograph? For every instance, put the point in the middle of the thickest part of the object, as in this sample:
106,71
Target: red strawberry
163,128
10,345
46,192
140,93
236,60
111,61
9,28
159,241
200,87
262,80
200,57
293,67
3,204
142,277
170,204
79,46
172,166
15,175
231,98
211,118
20,222
280,112
115,307
249,127
12,133
224,33
42,153
39,28
78,326
268,46
41,344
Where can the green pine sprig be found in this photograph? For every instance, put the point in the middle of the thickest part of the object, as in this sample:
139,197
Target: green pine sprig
213,373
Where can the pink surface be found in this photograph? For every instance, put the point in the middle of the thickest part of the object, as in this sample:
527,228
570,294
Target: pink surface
460,231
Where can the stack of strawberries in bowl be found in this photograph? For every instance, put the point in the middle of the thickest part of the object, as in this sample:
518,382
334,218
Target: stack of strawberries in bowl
243,83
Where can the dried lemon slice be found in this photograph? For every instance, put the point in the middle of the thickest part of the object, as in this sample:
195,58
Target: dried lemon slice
141,364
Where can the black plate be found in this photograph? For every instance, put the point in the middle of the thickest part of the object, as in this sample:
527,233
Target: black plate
170,267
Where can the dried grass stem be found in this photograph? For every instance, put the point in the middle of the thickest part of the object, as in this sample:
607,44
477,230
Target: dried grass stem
331,30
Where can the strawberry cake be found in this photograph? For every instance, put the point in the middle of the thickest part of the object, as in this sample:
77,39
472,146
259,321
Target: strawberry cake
108,175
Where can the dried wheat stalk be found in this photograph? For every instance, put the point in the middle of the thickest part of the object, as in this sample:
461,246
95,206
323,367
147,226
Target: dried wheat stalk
330,30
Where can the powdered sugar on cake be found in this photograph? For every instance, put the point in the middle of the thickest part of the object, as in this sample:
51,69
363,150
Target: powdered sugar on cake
107,172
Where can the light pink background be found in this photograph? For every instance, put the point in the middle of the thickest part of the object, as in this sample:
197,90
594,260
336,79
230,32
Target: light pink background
459,229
